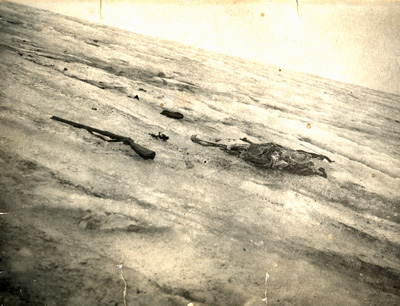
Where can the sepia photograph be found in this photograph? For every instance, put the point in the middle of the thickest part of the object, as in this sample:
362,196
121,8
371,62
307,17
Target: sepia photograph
199,152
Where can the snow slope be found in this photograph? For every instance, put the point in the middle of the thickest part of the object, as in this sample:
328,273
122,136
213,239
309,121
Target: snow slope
195,224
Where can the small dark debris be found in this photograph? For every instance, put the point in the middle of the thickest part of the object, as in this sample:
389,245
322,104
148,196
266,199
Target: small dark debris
135,97
65,51
323,172
30,165
159,136
175,115
14,21
93,42
65,69
141,89
161,75
94,108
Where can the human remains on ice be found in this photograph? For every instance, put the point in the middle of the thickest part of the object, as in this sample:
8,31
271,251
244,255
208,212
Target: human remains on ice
272,156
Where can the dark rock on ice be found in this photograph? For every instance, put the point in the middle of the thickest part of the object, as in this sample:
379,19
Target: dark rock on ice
175,115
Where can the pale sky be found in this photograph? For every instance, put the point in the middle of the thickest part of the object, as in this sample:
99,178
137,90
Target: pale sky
355,42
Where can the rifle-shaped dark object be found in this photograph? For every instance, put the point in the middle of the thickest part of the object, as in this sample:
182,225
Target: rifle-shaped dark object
141,151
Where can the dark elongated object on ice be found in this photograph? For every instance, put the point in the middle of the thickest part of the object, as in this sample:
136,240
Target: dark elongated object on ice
272,156
159,136
170,114
141,151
